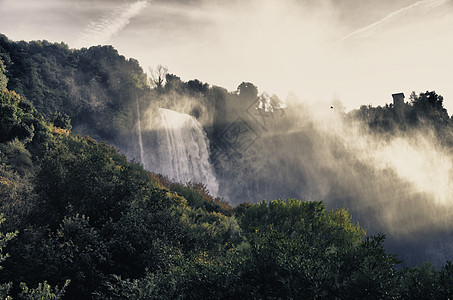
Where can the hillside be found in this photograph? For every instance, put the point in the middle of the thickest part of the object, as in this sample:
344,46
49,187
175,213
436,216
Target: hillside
86,222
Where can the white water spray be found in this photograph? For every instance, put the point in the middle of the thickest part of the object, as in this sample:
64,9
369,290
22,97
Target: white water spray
181,151
140,140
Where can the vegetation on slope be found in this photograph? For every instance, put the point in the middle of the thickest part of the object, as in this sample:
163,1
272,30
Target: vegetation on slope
83,214
82,222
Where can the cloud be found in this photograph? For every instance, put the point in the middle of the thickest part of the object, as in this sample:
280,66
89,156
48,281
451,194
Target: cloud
420,6
101,31
295,46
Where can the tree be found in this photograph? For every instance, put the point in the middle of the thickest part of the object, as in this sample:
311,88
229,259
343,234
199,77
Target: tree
18,118
158,76
428,107
43,291
4,239
61,120
247,91
196,86
3,78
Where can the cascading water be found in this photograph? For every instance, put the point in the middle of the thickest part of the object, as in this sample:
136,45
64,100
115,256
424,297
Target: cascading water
178,149
140,139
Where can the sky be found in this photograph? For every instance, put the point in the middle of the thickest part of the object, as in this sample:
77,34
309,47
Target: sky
355,51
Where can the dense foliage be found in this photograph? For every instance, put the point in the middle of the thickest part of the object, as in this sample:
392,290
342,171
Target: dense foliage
82,222
96,88
423,111
89,221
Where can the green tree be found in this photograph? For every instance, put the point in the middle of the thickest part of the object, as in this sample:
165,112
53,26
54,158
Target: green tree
20,120
61,120
296,248
43,291
3,78
4,239
368,271
446,281
81,176
421,282
17,157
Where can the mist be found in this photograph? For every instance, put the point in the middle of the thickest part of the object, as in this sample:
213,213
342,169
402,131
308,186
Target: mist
398,183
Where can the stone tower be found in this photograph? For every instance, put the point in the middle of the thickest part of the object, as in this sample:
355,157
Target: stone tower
398,104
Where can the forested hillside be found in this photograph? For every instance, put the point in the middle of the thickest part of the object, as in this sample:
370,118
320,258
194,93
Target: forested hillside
80,221
93,87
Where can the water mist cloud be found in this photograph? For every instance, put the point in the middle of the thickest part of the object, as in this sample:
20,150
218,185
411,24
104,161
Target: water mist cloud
420,161
399,183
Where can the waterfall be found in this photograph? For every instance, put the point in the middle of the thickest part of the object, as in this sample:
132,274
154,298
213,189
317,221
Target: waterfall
140,140
180,150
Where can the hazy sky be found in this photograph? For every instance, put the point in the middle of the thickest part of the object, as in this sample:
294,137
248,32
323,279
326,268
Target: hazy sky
357,51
